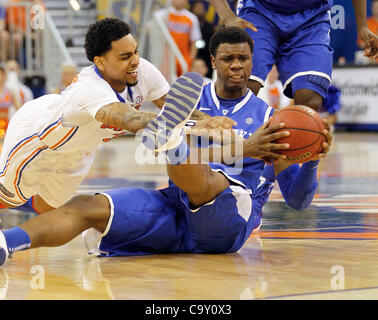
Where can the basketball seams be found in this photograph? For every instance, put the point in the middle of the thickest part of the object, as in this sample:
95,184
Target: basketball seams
298,125
308,145
305,113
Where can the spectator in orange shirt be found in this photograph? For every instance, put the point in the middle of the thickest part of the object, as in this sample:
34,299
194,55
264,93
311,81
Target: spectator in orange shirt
16,19
184,28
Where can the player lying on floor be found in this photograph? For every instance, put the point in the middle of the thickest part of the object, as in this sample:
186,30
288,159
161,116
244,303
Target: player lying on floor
207,207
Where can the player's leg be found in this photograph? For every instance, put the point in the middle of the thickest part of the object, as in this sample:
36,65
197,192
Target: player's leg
255,86
305,61
265,43
142,221
61,225
198,181
223,224
35,204
308,97
57,227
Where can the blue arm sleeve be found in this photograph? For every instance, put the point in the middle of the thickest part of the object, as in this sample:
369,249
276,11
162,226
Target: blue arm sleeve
298,184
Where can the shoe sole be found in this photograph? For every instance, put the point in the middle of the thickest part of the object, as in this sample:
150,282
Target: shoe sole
165,131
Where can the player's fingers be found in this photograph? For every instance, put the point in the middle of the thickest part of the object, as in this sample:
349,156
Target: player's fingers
326,124
326,147
277,146
275,127
249,25
227,123
276,135
273,156
328,136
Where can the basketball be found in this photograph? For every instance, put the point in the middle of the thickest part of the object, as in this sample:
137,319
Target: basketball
306,132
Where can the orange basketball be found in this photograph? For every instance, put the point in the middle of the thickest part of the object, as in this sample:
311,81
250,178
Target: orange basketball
306,132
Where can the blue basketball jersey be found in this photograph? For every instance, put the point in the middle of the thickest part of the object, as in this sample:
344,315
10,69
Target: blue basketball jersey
287,6
250,113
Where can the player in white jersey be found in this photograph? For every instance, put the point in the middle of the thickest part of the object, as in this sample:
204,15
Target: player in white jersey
51,141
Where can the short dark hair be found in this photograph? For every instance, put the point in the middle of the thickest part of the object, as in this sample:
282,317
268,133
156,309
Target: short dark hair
101,34
230,35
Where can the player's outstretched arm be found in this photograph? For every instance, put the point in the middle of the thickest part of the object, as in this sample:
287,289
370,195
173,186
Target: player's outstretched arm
228,17
298,184
122,116
369,39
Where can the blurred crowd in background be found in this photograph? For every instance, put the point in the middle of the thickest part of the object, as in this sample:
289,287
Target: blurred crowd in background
200,22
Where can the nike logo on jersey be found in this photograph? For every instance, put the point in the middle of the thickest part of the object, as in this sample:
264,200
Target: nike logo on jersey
204,109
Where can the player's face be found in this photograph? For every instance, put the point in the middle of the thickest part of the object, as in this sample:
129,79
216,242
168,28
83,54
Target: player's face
121,62
233,63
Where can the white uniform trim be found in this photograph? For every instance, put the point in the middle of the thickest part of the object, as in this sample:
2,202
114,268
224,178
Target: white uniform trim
243,201
304,73
92,238
261,81
214,95
243,102
267,113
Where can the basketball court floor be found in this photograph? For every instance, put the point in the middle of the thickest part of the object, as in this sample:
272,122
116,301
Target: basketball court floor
328,251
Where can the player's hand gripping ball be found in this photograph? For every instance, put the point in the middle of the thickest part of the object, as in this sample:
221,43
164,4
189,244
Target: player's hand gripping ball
306,132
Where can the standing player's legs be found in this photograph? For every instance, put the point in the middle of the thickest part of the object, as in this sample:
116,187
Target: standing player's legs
265,43
305,62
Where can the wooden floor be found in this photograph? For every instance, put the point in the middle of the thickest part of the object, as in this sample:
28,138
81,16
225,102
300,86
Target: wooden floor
328,251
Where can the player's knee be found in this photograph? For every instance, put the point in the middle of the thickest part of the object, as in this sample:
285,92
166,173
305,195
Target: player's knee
211,185
308,98
94,209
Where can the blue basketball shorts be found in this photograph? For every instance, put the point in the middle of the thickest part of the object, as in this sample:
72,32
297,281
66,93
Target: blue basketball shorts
146,221
299,45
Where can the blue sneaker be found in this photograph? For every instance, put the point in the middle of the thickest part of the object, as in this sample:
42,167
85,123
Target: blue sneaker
165,132
3,249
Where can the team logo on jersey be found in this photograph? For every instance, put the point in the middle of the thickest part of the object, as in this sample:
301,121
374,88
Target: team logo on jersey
138,99
6,191
204,109
249,121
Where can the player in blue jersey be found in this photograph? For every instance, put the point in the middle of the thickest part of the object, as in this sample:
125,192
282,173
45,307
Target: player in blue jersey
294,35
207,207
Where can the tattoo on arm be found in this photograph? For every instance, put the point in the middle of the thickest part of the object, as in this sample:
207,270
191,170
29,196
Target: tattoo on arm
160,102
121,115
